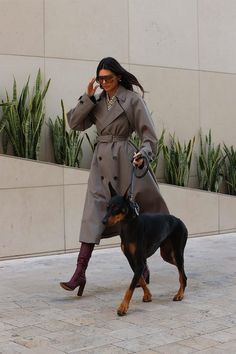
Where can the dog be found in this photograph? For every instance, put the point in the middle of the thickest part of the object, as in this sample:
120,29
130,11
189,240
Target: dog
141,236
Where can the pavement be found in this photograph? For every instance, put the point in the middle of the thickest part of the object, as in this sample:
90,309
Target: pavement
37,316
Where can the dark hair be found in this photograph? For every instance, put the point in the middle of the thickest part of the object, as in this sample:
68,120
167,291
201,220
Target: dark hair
127,79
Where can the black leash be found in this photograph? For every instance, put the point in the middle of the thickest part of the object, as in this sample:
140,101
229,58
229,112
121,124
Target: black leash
134,175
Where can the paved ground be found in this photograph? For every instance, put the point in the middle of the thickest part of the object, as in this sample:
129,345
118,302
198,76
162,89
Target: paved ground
37,316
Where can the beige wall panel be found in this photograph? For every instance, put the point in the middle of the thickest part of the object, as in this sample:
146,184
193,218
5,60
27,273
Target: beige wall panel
31,221
163,33
217,106
227,213
199,210
217,35
19,67
69,80
17,172
74,204
86,29
172,97
75,176
21,27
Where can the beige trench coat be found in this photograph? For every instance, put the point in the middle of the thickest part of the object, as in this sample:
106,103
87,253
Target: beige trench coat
112,157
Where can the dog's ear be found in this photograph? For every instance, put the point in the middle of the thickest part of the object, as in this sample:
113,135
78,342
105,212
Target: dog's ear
112,190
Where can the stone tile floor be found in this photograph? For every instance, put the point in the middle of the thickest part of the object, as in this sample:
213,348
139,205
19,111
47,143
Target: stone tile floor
37,316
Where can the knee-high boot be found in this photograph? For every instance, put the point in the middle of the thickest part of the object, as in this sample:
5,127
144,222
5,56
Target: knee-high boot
79,278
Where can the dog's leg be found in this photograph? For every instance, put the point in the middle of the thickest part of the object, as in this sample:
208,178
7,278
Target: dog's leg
179,259
147,296
179,262
123,308
183,282
172,251
179,245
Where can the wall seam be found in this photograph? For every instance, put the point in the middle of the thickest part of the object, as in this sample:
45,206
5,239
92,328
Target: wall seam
123,62
44,32
219,221
128,28
64,209
199,71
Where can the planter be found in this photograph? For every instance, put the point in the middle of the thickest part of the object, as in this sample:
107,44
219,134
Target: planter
42,206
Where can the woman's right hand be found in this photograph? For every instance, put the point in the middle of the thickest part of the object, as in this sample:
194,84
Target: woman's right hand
137,159
91,89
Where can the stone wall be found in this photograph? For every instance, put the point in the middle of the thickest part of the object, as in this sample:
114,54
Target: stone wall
42,204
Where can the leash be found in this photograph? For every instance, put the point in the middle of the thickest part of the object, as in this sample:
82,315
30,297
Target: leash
134,175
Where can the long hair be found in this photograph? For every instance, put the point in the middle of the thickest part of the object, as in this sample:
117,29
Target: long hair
127,79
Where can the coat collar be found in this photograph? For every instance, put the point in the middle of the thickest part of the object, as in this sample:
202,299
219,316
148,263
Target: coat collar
121,93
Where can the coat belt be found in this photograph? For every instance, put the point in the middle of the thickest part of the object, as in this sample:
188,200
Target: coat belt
110,138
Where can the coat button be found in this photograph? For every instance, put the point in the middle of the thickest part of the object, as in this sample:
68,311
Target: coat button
115,178
102,178
114,157
100,158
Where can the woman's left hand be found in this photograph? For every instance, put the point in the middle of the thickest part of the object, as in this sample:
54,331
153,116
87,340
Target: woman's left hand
137,159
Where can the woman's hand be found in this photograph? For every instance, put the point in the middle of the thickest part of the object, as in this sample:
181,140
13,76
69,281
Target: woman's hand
137,159
91,89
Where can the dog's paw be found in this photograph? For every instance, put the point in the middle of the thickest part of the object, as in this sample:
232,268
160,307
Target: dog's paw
178,297
122,310
147,298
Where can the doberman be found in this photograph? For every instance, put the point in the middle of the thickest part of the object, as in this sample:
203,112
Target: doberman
141,235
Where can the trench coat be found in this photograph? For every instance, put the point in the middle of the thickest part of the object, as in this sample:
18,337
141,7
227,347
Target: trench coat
112,157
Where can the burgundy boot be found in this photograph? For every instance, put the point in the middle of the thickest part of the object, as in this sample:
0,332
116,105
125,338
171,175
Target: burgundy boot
78,278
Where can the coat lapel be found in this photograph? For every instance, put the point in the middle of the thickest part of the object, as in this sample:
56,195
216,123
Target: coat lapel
105,117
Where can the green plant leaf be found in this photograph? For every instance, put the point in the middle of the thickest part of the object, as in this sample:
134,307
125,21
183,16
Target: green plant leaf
24,117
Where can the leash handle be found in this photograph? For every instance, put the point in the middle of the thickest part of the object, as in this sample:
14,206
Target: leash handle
135,205
135,174
131,188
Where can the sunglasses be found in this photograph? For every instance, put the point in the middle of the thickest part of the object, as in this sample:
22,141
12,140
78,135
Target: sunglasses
106,78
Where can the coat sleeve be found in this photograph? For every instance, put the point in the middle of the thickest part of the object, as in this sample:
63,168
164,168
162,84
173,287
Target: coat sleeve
144,126
81,117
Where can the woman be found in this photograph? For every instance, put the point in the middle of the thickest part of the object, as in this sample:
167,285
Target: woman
116,112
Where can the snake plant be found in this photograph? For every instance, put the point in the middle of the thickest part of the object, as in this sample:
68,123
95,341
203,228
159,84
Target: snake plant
230,169
23,118
178,159
210,164
66,142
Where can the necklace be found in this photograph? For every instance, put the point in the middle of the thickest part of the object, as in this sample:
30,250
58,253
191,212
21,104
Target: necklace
110,101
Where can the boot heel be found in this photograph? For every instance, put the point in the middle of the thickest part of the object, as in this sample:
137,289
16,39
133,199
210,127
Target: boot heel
81,289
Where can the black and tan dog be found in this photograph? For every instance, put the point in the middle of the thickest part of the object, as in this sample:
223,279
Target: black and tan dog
141,235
